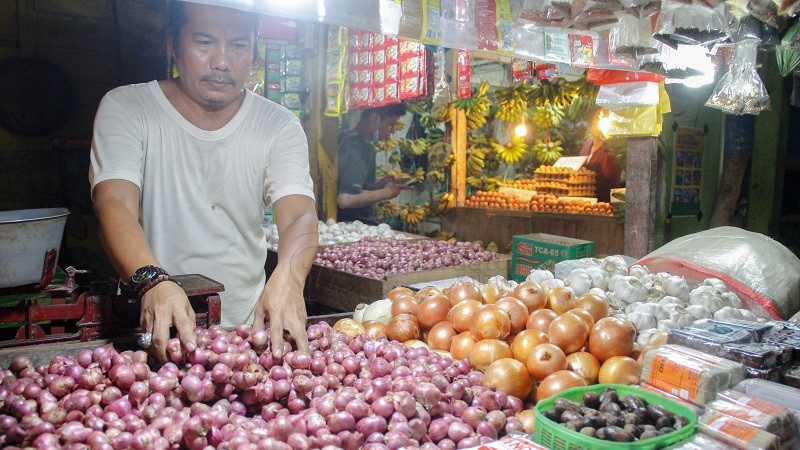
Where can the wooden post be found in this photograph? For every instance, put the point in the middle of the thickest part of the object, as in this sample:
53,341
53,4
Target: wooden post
644,195
458,172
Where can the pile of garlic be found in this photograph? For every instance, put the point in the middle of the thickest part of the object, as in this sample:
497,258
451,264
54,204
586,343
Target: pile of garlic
652,302
332,232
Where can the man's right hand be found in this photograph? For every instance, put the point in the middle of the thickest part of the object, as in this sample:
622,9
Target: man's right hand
164,305
391,190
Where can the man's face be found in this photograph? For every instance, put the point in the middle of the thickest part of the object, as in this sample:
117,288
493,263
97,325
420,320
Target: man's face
214,55
387,127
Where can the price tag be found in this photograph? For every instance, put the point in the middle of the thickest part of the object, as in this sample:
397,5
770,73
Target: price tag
556,46
572,162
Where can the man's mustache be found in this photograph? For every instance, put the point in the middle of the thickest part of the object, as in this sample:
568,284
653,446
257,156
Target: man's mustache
218,79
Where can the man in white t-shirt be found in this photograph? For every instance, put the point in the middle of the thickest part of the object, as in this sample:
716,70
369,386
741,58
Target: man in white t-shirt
182,171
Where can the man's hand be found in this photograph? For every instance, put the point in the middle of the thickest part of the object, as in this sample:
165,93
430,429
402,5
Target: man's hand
391,190
282,302
164,305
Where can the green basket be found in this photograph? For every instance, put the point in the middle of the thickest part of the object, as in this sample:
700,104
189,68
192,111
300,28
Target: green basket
558,437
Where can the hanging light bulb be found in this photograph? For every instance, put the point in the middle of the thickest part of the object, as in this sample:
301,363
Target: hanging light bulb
604,124
521,130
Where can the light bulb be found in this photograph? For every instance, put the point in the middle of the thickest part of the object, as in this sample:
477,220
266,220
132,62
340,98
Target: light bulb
604,124
521,130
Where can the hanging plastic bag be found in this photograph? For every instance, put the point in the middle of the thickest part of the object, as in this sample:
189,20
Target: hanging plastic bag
691,24
420,21
494,23
631,38
458,25
740,90
619,96
789,7
764,10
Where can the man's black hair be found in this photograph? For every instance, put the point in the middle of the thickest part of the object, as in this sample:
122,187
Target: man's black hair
177,18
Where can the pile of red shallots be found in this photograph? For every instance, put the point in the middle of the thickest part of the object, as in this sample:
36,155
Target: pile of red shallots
376,257
233,393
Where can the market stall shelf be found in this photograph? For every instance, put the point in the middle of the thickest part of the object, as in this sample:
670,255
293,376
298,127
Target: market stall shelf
344,291
500,226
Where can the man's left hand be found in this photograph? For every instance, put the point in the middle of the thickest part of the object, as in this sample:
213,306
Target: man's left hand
283,304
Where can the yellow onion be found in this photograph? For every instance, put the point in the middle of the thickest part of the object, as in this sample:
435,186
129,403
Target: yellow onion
540,320
461,345
374,330
414,343
544,360
611,337
524,343
562,299
490,322
585,315
620,370
516,311
531,294
433,310
487,351
492,293
426,292
527,417
404,304
557,382
461,314
349,327
441,336
399,290
508,375
569,332
585,365
403,328
595,305
464,290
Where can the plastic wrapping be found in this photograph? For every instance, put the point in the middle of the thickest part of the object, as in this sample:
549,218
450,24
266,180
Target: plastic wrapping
458,24
627,95
545,13
592,13
631,37
771,416
702,442
684,376
641,120
691,24
420,21
744,260
737,433
740,90
764,10
772,392
735,370
753,417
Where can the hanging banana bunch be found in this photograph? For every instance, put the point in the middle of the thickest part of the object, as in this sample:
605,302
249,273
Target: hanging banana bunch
388,145
513,102
386,210
399,175
442,109
439,154
435,176
484,183
419,174
558,92
476,160
547,152
512,152
418,147
412,215
476,107
446,201
547,116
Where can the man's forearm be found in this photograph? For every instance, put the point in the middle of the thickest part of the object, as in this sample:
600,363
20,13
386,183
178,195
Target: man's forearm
363,198
297,248
123,237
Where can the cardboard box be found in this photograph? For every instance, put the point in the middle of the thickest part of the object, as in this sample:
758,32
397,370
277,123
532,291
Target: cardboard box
543,251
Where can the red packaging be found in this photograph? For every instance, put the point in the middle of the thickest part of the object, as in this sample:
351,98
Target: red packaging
392,93
608,76
521,70
464,73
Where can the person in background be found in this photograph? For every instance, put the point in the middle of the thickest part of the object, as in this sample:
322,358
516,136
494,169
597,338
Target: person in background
182,171
607,169
358,190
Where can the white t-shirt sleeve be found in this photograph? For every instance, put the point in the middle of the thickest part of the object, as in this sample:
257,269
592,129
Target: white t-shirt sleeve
287,166
117,144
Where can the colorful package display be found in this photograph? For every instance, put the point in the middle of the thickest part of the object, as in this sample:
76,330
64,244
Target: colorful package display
285,77
383,70
335,72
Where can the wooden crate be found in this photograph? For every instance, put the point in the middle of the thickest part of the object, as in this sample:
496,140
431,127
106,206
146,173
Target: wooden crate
500,226
344,291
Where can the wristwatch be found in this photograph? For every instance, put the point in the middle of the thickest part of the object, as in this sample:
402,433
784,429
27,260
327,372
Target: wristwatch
145,279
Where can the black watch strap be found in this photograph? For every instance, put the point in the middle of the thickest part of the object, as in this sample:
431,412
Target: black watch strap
144,279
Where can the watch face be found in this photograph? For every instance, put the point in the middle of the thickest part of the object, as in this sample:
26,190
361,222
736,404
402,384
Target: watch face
143,274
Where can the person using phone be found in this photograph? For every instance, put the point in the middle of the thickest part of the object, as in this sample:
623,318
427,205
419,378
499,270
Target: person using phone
358,190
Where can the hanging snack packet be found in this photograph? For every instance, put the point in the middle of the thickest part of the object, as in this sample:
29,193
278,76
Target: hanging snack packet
740,90
545,13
